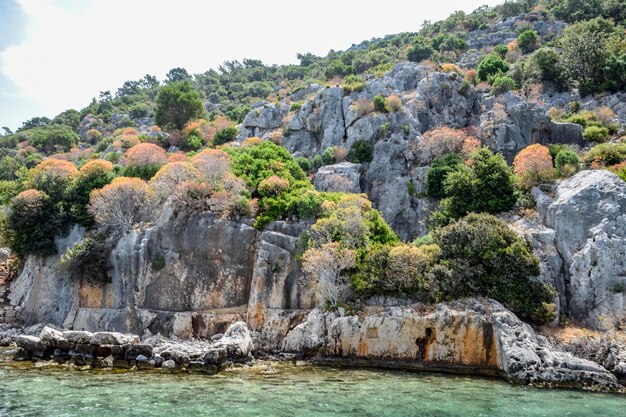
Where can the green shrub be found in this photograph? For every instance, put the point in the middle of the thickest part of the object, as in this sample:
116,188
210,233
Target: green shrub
500,50
606,154
380,104
419,51
503,84
481,256
596,133
144,172
228,134
33,223
566,162
438,171
328,157
304,163
360,152
527,41
295,106
54,138
487,185
491,65
353,83
257,163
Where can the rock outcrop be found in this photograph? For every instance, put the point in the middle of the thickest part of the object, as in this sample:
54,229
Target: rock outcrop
582,245
470,336
211,273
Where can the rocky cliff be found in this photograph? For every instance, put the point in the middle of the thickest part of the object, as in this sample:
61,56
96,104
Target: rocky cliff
185,276
581,240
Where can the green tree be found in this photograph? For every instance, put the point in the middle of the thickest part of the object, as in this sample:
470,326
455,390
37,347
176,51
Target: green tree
54,138
177,103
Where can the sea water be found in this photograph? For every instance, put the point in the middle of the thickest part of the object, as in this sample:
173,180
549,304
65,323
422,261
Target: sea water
284,390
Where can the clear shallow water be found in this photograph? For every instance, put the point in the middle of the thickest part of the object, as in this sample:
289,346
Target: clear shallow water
292,391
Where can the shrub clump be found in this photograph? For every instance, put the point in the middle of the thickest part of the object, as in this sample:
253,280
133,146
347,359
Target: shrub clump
481,255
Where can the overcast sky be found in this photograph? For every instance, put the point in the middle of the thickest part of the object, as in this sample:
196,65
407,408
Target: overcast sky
58,54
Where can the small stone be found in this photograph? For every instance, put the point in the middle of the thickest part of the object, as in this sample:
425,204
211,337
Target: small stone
170,366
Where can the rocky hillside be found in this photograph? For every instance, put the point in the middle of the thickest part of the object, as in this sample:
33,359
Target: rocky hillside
483,157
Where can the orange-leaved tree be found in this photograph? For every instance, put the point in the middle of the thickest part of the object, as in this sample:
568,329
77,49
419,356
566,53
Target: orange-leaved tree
144,160
122,203
533,166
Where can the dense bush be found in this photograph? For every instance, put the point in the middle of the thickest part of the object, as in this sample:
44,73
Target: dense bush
596,133
353,83
53,138
605,154
527,41
490,66
481,255
258,162
33,223
93,175
438,171
380,104
360,152
485,185
566,162
502,84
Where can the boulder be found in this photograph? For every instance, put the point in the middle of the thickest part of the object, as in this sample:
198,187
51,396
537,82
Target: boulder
113,338
51,337
74,336
343,177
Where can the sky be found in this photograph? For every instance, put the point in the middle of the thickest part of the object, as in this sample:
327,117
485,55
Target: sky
58,54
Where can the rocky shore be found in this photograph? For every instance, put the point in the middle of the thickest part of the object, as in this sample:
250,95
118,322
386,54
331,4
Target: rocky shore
469,337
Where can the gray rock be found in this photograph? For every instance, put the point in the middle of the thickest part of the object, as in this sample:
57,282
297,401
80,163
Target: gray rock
75,336
31,344
51,337
113,338
588,216
169,366
344,177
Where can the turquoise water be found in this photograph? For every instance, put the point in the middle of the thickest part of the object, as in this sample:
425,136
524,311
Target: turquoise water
289,391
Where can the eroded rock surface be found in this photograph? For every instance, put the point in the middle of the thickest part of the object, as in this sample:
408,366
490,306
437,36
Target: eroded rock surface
468,336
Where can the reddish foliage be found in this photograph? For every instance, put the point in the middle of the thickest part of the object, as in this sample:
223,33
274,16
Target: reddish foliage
534,158
145,154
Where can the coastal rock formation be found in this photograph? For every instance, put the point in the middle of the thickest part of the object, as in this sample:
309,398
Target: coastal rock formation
104,349
186,276
581,240
469,336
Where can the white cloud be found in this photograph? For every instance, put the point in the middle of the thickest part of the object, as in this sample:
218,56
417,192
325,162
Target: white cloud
71,51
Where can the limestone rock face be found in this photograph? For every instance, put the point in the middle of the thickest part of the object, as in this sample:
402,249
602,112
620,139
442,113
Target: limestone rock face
588,216
214,271
475,336
344,177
